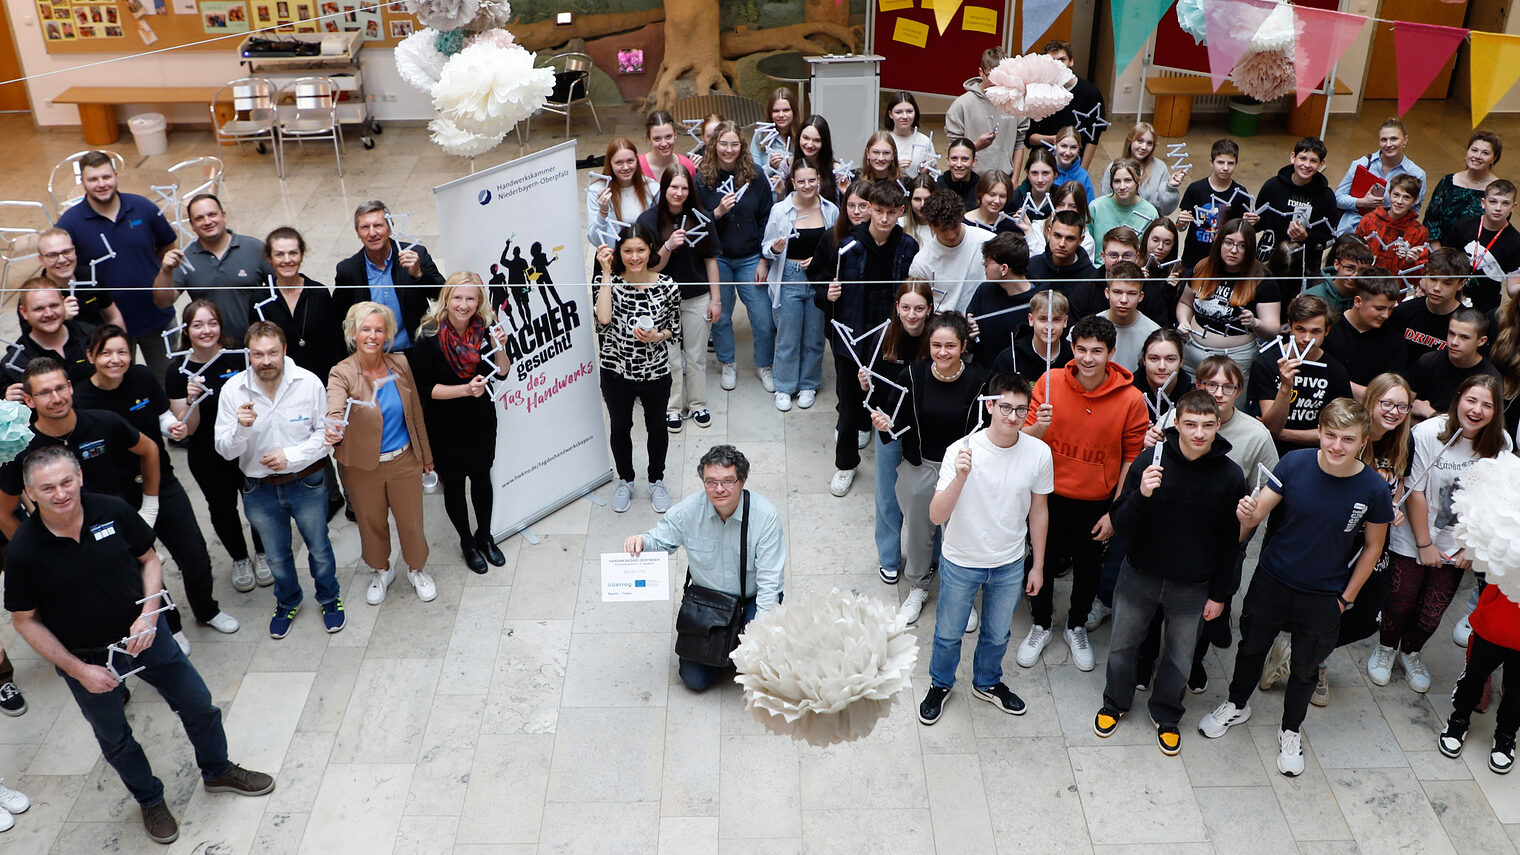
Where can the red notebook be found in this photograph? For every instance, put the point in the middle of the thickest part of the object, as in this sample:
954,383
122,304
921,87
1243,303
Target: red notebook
1364,180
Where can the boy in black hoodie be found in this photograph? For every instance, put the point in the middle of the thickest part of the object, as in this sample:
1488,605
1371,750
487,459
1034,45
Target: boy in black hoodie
1307,199
1179,514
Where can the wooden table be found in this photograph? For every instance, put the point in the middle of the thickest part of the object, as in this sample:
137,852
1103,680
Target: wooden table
1174,104
97,105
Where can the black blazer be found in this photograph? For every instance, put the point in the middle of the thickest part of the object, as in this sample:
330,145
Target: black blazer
351,285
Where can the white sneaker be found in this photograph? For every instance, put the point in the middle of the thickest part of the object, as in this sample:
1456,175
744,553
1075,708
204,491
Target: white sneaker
1081,651
1033,645
767,379
242,575
972,621
1224,717
783,401
862,439
913,606
1380,665
839,485
1462,632
622,497
659,497
224,623
7,822
1097,615
423,583
806,397
12,801
183,642
1277,662
261,572
1290,754
379,580
1415,672
728,376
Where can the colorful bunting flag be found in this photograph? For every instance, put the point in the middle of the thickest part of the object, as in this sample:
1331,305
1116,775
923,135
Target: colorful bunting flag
1322,36
1134,21
1423,50
1038,16
944,13
1495,68
1229,26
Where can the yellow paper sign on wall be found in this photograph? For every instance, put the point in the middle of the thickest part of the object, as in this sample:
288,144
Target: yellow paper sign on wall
911,32
894,5
978,19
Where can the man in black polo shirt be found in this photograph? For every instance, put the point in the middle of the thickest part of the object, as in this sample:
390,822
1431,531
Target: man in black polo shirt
77,577
228,267
1362,340
42,308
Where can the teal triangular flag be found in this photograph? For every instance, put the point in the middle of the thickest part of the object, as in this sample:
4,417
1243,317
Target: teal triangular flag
1134,21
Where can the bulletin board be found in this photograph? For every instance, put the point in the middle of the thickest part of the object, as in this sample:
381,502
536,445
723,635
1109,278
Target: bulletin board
919,58
133,26
1175,49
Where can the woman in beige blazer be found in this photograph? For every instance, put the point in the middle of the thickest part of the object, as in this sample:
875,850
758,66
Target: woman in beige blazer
375,424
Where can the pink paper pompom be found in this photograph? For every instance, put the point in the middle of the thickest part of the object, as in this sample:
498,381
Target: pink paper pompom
498,37
1032,86
1265,76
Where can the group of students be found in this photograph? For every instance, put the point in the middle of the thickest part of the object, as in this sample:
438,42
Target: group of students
1321,341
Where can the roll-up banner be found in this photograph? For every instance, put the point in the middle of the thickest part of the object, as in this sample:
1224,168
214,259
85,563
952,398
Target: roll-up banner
518,225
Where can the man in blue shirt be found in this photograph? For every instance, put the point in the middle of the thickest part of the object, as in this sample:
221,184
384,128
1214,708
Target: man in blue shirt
708,525
140,236
385,273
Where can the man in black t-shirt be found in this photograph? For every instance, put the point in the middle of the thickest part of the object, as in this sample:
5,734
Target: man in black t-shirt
1006,258
1421,321
49,332
1436,376
1363,341
1493,245
75,583
1289,389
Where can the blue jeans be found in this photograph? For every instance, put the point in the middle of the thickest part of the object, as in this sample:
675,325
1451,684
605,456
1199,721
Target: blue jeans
699,677
888,514
166,669
739,273
270,509
1000,587
799,334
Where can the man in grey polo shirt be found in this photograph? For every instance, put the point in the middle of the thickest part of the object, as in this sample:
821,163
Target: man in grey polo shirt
229,267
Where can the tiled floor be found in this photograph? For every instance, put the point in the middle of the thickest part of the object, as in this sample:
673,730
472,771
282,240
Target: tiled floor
518,714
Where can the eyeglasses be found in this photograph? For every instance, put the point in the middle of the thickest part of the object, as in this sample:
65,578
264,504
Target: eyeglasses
1008,409
54,256
1234,244
725,483
1227,388
1394,407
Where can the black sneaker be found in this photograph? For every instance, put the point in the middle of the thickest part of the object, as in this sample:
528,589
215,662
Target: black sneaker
933,705
702,417
1453,737
1198,681
1001,697
1502,758
333,618
160,823
1168,739
673,422
11,702
1106,721
242,781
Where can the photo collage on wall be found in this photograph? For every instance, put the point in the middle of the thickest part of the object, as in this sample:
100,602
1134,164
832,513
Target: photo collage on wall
66,22
288,16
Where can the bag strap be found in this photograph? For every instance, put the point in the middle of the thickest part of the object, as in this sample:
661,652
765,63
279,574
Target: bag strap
743,550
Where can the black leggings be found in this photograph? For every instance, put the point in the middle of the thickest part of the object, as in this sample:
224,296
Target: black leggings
221,482
454,504
619,392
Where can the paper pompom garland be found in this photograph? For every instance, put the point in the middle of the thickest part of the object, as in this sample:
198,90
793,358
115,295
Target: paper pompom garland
418,61
1487,505
1032,86
450,42
1265,75
447,136
1190,19
444,15
825,668
15,429
486,90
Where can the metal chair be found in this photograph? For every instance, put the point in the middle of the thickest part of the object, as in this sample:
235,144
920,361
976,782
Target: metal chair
66,187
573,69
315,116
191,178
735,108
254,117
20,224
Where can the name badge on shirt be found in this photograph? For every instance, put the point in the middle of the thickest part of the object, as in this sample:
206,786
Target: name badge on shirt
300,418
103,530
92,449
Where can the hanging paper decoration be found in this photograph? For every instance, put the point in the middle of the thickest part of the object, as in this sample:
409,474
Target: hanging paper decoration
1322,37
1423,50
1190,17
1032,86
1134,21
1495,68
15,430
1265,75
418,61
1488,520
486,89
944,13
1038,16
1231,26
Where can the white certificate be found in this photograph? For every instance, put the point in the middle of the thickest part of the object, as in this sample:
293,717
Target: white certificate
627,579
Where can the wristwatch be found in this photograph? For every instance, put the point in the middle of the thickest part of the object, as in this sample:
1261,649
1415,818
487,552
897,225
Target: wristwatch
1345,603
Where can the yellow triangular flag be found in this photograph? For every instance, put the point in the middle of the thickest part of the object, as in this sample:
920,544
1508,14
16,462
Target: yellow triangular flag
1495,68
944,13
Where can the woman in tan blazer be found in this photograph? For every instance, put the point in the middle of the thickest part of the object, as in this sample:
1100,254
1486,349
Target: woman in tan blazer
382,447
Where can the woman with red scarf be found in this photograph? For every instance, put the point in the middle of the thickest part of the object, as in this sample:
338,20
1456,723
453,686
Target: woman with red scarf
458,408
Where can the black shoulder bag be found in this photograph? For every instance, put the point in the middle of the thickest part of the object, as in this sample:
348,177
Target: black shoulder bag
709,622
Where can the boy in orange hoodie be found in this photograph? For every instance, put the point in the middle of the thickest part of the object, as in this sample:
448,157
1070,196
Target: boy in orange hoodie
1398,221
1094,420
1495,641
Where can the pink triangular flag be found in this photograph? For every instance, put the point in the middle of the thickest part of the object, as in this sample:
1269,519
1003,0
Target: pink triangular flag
1229,26
1422,50
1321,37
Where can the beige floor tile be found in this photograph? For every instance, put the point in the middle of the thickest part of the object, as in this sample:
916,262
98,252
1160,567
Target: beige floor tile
358,808
607,754
1387,808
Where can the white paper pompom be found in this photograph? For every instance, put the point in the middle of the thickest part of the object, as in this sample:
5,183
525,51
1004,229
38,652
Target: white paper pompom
458,142
418,61
1265,75
1487,505
1277,32
444,14
495,36
487,89
493,13
1032,86
825,668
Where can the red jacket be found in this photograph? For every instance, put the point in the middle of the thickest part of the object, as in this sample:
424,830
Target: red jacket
1381,231
1497,618
1091,434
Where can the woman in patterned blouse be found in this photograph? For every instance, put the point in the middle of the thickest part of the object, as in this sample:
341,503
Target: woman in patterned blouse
1459,195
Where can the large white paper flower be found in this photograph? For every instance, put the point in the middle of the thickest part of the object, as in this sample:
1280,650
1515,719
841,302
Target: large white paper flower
1277,32
1265,75
493,13
1487,504
1190,19
825,668
444,14
458,142
1032,86
487,89
418,61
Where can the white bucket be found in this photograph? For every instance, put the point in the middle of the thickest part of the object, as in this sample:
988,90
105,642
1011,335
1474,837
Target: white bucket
150,133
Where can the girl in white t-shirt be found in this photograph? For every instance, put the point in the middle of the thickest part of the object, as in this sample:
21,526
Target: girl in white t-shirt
901,119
